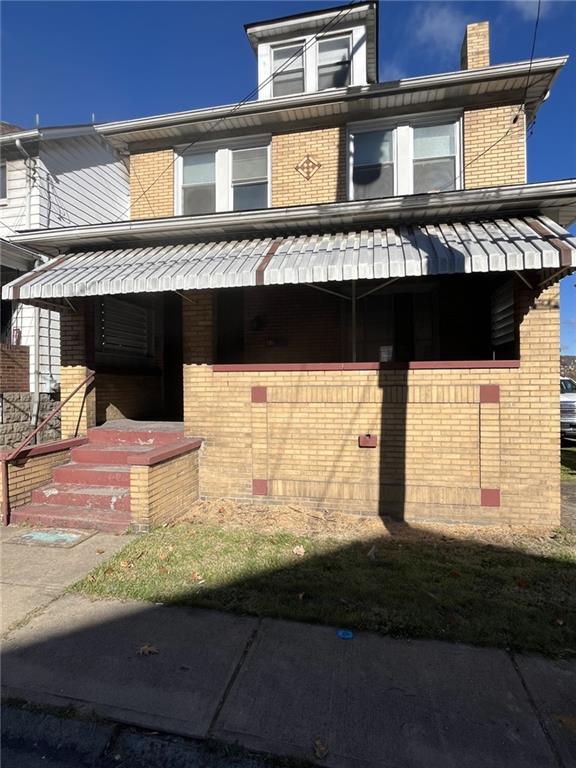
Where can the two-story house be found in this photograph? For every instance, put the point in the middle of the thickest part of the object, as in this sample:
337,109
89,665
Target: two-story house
344,288
49,177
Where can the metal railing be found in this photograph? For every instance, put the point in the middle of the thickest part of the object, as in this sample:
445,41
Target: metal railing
13,455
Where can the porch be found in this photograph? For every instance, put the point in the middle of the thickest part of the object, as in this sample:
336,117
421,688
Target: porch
411,375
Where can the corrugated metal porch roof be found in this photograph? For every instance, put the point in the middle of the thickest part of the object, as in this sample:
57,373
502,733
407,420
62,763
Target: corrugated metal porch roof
498,245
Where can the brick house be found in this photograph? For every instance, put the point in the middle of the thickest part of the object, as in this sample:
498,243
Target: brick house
345,291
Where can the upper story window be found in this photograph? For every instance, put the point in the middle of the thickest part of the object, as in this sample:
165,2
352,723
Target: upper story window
334,63
434,158
234,177
288,70
3,186
407,158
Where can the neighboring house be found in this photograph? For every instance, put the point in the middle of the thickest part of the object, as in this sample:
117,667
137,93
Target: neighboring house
50,177
346,288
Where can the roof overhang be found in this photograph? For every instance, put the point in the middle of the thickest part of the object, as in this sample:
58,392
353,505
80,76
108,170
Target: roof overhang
490,86
554,199
17,257
384,253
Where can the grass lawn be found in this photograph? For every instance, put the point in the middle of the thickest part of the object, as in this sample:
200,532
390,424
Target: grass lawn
518,595
568,465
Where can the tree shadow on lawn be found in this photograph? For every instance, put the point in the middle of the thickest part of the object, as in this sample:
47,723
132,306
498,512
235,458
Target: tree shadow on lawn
431,586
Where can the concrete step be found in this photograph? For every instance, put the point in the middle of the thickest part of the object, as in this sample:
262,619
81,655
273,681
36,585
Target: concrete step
91,497
103,475
98,436
54,516
109,454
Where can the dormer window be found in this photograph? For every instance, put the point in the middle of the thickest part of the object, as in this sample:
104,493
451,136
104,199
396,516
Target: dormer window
288,68
334,63
312,52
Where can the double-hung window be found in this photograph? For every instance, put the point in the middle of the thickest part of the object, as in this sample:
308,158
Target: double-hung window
373,164
233,177
3,191
410,157
199,183
249,178
334,63
288,70
434,158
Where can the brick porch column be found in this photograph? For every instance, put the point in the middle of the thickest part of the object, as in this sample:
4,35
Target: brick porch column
198,308
79,414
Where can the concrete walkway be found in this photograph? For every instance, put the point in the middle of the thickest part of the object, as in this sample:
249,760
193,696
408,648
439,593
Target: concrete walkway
294,689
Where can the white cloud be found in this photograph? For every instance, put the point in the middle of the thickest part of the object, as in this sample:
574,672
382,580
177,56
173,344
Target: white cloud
528,9
392,70
439,27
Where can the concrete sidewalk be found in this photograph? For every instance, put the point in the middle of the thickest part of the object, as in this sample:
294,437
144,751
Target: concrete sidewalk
295,689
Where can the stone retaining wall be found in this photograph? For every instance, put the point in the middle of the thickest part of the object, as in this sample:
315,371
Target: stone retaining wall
16,411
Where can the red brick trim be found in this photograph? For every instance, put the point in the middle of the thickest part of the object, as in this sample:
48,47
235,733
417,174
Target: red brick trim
417,365
489,393
259,394
490,497
367,441
259,487
164,452
54,446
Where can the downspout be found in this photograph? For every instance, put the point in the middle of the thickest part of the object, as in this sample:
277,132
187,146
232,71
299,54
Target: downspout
30,175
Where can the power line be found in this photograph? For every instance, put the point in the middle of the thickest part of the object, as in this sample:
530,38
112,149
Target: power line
341,14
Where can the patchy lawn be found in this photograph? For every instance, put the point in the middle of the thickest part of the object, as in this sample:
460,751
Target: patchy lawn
568,465
515,592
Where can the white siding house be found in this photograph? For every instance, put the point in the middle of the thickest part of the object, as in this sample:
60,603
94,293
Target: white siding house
55,177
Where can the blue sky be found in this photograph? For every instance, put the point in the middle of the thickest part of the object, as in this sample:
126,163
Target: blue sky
67,60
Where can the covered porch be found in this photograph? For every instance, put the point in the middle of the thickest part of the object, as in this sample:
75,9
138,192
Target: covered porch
410,371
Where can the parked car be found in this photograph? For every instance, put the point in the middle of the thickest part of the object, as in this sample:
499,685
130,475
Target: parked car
568,408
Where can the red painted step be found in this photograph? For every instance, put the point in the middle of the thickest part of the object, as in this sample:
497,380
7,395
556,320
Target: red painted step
145,438
97,497
86,474
112,454
70,517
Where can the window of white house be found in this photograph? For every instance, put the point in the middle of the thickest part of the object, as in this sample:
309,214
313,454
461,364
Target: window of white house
334,63
229,178
3,191
249,178
288,69
199,183
373,164
404,159
434,158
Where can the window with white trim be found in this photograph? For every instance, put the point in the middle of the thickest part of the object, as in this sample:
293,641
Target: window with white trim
224,178
411,157
3,190
288,69
334,62
434,158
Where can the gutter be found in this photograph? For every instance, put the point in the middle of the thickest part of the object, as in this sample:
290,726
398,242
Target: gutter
429,207
339,94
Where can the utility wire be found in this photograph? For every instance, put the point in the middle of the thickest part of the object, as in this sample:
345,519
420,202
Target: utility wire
340,15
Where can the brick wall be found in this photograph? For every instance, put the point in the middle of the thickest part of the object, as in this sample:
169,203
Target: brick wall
475,51
449,449
163,492
14,368
79,413
505,162
327,148
153,169
127,396
29,473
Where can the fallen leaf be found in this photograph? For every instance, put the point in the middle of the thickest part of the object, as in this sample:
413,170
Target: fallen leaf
147,650
125,564
108,571
162,556
91,578
163,569
560,622
100,551
299,550
301,596
197,577
320,749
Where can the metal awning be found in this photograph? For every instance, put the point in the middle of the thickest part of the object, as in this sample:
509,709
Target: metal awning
498,245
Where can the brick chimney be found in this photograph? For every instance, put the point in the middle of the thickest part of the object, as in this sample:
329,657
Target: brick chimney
475,52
